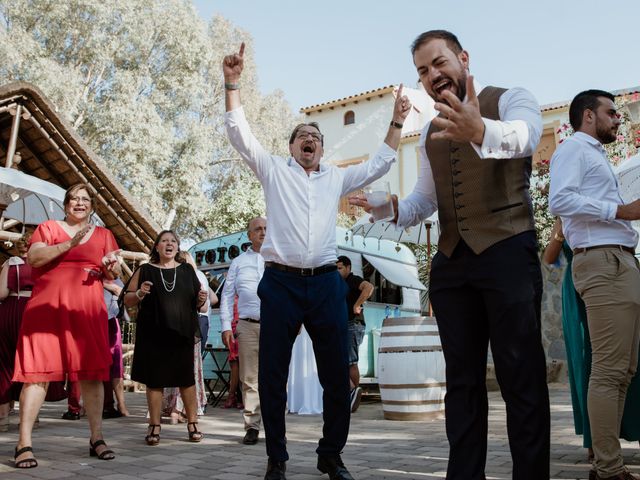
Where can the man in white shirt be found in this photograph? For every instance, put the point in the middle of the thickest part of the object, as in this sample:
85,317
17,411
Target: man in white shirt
596,222
242,280
301,284
485,281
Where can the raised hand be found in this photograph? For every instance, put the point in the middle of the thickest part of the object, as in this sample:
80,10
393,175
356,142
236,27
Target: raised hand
402,106
460,120
144,289
232,66
80,234
111,258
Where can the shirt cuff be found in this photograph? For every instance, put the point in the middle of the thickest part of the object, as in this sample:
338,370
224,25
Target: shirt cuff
387,153
402,220
492,140
232,115
608,211
225,325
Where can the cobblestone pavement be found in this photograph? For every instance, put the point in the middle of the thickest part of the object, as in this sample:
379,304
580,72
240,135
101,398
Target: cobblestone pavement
377,448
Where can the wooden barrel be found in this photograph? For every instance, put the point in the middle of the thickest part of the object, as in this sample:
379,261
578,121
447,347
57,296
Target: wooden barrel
411,369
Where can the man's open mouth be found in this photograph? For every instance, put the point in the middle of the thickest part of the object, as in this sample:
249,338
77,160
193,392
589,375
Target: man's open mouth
442,85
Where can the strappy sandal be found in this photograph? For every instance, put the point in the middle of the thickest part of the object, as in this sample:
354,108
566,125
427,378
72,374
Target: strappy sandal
106,454
30,462
194,435
153,438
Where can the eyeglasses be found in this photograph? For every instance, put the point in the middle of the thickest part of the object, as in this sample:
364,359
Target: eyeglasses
314,136
80,200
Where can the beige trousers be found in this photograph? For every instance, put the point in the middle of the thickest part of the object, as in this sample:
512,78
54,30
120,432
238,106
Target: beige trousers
608,280
248,336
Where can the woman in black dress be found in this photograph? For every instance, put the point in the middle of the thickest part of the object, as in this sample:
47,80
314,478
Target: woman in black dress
168,296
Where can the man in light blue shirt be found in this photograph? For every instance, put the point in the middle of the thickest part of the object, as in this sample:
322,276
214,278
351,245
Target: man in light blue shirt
596,222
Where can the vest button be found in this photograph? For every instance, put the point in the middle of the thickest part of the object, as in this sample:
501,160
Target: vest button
461,219
457,183
458,207
455,172
458,194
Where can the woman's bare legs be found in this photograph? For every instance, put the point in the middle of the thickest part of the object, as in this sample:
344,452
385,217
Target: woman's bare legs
93,397
31,400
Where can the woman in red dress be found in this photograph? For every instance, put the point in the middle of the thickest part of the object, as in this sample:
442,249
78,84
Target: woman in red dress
64,328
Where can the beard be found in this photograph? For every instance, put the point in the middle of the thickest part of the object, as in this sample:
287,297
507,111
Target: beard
605,135
460,84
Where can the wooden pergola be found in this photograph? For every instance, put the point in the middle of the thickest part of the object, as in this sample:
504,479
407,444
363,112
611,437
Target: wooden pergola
36,140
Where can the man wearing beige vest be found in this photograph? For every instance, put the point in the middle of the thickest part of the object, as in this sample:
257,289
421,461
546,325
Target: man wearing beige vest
485,284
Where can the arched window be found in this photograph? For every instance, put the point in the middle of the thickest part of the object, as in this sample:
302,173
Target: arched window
349,118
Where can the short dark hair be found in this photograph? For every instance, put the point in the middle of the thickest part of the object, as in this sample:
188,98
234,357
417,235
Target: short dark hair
154,256
315,125
343,259
450,38
587,100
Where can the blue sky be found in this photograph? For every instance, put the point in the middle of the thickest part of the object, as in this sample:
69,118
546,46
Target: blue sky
324,50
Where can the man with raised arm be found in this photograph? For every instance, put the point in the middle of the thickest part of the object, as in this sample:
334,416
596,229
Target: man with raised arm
301,284
486,283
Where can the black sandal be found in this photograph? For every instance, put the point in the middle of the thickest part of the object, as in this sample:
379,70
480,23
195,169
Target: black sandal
153,438
194,435
106,454
32,462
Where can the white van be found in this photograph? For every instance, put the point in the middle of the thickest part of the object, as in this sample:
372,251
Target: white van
389,266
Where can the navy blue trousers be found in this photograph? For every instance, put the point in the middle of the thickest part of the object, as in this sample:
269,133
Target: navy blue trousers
493,298
287,301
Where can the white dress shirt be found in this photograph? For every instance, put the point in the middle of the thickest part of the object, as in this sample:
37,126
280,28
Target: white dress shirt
515,135
245,272
584,193
301,208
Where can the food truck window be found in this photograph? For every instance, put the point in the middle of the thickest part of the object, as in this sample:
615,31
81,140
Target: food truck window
383,290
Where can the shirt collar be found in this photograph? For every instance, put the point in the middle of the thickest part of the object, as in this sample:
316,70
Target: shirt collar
292,163
585,137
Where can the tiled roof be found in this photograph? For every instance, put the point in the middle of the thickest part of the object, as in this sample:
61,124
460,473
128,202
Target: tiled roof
352,98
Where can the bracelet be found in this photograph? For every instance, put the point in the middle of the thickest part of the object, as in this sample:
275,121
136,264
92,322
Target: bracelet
558,238
395,124
139,297
232,86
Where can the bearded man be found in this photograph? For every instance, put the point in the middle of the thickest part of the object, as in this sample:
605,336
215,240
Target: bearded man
485,282
597,225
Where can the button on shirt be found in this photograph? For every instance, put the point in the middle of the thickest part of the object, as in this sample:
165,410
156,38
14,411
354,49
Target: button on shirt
243,277
301,208
515,135
584,193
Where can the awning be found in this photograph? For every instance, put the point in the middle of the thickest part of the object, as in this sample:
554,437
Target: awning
401,274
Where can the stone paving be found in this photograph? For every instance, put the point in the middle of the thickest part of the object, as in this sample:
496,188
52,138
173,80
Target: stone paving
377,448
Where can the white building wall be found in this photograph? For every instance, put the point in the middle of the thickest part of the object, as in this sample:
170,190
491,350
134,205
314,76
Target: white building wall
345,144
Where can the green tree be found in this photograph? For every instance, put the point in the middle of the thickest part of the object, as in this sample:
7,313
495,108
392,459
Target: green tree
141,81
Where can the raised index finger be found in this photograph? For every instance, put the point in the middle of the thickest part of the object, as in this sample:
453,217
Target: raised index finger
400,90
241,52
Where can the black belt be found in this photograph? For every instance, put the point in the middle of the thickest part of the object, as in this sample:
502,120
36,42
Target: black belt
304,272
620,247
250,320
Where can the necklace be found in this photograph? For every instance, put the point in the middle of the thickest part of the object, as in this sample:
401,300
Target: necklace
169,286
